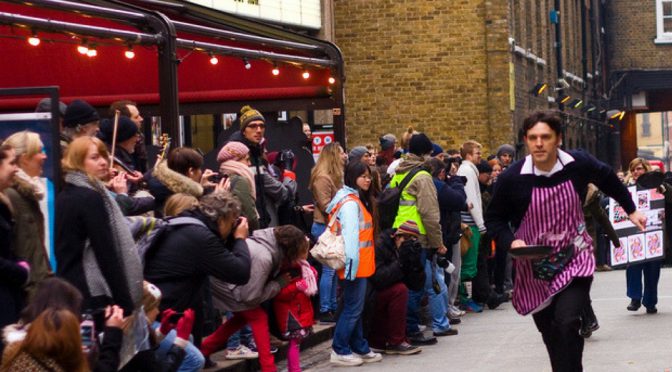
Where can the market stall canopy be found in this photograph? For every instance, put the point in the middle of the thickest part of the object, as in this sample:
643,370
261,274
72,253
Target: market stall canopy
182,54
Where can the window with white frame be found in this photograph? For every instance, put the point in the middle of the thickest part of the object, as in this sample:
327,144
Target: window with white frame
664,21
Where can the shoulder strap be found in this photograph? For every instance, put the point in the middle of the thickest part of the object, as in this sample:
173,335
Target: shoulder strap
409,177
177,221
334,212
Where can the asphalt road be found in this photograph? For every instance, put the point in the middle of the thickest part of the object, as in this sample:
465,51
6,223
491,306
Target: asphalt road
501,340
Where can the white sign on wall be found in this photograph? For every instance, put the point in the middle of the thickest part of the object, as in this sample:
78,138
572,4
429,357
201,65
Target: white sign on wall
304,13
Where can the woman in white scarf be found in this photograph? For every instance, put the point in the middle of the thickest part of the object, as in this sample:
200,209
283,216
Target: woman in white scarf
27,194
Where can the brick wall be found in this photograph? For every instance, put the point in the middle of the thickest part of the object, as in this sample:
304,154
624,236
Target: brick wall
444,67
414,63
631,30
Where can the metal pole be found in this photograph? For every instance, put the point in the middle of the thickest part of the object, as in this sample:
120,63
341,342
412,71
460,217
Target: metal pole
50,25
237,36
257,54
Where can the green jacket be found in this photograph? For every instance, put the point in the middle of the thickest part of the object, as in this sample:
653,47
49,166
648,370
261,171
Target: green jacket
425,212
29,231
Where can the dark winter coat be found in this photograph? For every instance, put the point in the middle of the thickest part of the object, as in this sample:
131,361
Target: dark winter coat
397,265
163,182
184,258
81,216
12,275
452,200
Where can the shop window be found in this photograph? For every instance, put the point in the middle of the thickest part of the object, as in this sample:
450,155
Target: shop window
646,126
664,21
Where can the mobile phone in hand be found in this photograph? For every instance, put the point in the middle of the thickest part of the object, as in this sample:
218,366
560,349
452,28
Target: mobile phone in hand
88,332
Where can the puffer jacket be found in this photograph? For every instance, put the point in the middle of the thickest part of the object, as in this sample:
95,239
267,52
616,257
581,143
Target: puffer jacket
266,258
293,308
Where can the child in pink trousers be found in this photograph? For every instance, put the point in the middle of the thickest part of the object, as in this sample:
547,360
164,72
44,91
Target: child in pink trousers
293,309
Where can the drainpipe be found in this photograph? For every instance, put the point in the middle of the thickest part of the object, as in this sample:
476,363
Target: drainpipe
558,62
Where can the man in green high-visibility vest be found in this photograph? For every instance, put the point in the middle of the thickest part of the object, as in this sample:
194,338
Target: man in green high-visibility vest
419,203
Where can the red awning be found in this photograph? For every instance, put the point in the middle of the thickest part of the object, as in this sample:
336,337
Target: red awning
111,76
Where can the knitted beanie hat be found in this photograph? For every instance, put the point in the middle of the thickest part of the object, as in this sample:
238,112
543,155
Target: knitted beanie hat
408,228
126,129
420,145
248,115
387,141
436,149
232,151
506,149
45,106
356,153
79,113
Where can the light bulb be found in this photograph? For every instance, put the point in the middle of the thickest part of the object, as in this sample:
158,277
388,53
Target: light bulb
275,71
130,54
306,75
82,49
214,60
331,80
248,65
91,53
34,40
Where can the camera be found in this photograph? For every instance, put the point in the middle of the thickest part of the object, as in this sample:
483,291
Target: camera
217,178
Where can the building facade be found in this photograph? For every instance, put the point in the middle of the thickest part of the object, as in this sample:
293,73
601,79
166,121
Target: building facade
465,70
639,44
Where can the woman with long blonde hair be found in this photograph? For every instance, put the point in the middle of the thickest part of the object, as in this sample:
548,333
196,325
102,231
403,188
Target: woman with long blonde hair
326,179
27,194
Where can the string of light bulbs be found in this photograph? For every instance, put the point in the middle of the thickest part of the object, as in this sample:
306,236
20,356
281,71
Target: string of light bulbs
90,49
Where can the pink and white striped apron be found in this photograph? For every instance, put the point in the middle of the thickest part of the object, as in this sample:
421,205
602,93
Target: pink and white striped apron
554,217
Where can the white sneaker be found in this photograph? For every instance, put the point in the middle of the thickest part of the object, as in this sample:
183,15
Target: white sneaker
242,352
371,357
422,327
348,360
455,312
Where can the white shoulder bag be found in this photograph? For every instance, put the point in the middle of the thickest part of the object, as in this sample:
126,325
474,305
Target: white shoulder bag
330,247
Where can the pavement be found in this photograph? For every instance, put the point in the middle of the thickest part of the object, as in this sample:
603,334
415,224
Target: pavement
501,340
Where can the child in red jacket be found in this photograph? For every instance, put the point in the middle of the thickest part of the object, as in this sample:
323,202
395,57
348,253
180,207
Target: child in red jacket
293,309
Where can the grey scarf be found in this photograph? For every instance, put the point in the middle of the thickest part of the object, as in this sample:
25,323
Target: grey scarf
122,240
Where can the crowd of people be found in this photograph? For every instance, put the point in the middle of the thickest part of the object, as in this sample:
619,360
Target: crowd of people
160,265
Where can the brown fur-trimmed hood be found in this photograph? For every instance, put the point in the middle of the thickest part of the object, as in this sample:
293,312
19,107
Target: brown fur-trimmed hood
27,188
176,182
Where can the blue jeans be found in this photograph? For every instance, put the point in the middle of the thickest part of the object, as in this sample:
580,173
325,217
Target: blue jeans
193,359
328,279
348,334
633,275
245,334
438,302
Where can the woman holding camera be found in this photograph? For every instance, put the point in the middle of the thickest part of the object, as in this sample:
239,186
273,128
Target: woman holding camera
234,163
